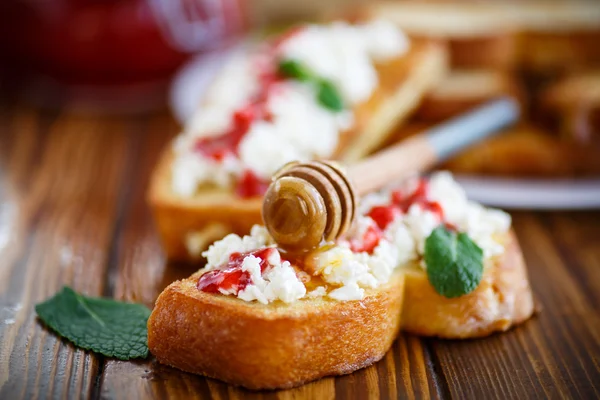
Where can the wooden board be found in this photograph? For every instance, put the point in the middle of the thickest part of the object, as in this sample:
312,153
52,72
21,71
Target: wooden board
72,211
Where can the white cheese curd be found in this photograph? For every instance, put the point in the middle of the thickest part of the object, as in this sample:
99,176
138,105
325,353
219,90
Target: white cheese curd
421,223
300,128
347,292
384,40
218,253
278,283
317,292
345,53
483,225
381,198
189,170
340,266
231,88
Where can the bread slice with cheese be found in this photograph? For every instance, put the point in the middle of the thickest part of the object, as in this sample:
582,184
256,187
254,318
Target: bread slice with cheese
253,319
502,299
272,346
187,224
463,90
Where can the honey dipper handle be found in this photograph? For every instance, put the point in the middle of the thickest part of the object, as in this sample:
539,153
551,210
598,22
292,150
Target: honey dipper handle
422,151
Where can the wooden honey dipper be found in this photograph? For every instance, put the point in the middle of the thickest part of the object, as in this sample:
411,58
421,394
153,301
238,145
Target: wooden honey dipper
313,202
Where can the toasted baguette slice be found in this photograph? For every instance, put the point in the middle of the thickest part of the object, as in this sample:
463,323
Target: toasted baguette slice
463,90
502,299
573,104
272,346
193,223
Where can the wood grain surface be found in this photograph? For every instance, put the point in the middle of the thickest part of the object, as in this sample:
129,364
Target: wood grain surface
72,211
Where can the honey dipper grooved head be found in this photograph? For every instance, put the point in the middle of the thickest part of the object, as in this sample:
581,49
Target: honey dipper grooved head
308,203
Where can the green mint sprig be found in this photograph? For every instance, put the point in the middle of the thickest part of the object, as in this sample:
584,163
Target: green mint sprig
327,93
454,262
105,326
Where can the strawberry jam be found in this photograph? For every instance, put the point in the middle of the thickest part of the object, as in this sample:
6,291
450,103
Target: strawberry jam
419,196
384,215
231,278
369,241
250,185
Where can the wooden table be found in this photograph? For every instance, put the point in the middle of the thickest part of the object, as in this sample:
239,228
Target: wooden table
72,212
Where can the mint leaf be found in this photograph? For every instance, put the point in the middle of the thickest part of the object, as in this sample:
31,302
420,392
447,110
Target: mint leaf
328,95
294,69
105,326
454,262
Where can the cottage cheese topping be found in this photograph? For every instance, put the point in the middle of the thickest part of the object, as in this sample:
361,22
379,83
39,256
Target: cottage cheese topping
296,126
277,282
300,129
230,90
344,54
347,272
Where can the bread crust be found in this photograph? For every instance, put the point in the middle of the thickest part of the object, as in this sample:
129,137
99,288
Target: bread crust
502,300
272,346
215,212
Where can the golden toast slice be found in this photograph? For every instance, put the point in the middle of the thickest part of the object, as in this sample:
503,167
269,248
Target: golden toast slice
272,346
502,299
188,224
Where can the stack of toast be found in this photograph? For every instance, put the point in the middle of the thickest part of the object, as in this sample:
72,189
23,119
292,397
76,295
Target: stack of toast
259,317
262,317
544,54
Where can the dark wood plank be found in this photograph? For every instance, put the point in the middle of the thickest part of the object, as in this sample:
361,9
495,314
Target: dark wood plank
576,236
60,188
553,355
73,211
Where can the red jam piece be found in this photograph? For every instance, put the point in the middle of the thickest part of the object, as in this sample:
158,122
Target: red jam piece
369,241
232,276
218,147
226,279
251,185
384,215
419,196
